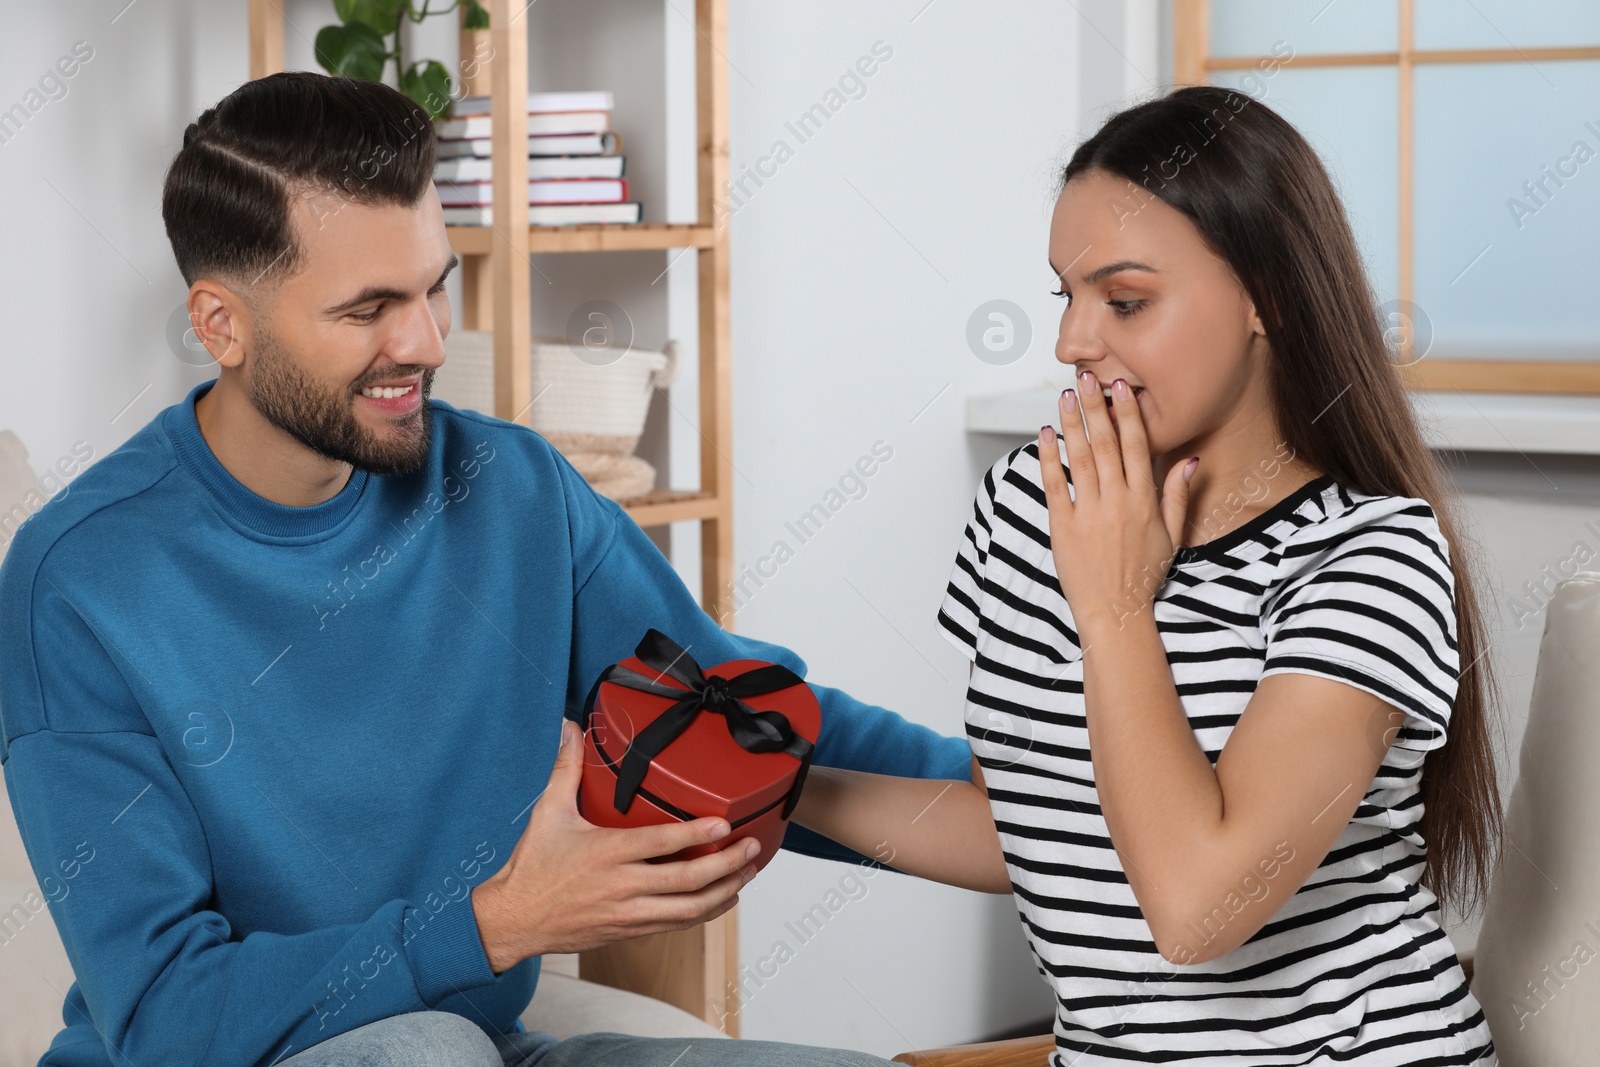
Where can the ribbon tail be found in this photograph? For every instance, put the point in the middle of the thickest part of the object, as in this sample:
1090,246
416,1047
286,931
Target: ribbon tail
802,750
647,745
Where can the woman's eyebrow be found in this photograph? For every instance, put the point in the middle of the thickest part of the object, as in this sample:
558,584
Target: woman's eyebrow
1109,269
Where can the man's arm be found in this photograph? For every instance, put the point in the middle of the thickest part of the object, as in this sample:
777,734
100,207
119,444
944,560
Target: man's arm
166,979
626,586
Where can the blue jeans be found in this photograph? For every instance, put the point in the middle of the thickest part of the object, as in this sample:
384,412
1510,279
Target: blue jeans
442,1039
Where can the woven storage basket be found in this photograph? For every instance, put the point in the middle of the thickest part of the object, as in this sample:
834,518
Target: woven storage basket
601,404
592,410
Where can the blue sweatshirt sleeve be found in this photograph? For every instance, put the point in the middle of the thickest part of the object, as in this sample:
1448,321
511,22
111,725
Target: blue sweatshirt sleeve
626,586
107,823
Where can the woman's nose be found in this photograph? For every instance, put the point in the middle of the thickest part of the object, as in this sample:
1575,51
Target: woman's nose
1078,342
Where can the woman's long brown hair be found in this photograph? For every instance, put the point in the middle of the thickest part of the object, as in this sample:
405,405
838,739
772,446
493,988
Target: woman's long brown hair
1263,202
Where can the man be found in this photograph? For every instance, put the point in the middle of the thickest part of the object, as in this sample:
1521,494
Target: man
290,666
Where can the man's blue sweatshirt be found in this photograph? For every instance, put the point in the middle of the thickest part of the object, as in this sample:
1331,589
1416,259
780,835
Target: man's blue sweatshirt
260,754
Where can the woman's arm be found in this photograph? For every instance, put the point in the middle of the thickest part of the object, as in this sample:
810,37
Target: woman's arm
1213,853
940,830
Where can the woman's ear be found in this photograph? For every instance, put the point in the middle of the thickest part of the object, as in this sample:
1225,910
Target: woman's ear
1254,318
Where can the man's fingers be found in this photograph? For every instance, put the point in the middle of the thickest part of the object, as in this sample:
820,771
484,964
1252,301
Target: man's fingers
689,909
561,789
650,842
687,876
683,924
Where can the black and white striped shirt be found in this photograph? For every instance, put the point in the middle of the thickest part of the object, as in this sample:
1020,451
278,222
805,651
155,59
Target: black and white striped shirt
1355,967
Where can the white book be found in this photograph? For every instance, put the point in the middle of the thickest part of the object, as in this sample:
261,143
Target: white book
581,144
573,191
479,147
475,169
590,100
548,214
539,125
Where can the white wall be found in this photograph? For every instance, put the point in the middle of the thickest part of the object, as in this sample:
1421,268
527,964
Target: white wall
856,268
856,263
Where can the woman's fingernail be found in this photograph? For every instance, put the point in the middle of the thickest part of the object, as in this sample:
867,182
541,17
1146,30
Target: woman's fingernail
1086,376
1069,399
1188,468
1119,389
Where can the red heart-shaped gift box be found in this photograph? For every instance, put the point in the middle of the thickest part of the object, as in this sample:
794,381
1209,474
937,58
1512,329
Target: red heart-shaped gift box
704,770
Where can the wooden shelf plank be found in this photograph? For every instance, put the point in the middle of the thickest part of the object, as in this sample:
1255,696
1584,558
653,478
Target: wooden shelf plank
614,237
662,506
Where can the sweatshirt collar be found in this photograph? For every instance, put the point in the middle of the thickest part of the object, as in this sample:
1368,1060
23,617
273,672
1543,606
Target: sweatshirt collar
245,507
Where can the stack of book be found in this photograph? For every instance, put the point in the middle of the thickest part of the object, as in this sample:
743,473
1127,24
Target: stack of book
575,170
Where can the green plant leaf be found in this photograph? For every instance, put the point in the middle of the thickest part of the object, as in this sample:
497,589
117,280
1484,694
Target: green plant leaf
477,17
428,83
354,50
379,15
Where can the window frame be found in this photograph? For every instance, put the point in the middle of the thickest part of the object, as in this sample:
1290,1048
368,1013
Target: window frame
1192,64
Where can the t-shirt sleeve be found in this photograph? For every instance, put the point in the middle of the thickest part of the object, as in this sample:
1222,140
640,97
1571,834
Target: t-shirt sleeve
1374,607
963,596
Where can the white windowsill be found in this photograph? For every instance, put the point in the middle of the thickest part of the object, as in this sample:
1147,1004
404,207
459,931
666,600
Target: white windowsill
1472,422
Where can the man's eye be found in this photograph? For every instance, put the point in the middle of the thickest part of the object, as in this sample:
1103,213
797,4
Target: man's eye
368,317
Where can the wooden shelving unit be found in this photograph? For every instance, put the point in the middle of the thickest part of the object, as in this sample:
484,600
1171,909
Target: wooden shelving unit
695,969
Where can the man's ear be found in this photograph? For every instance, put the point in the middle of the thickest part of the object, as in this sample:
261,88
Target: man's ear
220,319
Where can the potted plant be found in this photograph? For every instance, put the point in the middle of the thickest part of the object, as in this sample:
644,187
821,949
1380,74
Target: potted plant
359,47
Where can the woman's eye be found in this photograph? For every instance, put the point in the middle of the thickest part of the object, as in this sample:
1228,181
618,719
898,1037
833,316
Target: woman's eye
1124,308
1062,293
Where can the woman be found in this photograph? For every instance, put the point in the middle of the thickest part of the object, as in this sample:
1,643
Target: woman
1230,745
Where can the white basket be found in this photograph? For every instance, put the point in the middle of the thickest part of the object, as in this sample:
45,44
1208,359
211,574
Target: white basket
571,395
608,397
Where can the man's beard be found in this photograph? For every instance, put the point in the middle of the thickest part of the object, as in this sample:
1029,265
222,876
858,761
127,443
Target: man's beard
326,422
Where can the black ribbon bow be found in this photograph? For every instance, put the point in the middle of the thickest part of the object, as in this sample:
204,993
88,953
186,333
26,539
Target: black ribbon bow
755,731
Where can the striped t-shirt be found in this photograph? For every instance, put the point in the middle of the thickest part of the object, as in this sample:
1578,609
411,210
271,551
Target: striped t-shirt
1355,967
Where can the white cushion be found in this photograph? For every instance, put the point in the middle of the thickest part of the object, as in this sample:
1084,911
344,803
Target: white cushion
1542,921
20,493
34,970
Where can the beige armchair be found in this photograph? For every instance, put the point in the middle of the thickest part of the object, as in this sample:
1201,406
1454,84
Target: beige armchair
1539,949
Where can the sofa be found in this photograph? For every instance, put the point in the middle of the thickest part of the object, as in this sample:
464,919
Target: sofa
35,972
